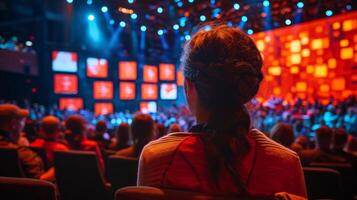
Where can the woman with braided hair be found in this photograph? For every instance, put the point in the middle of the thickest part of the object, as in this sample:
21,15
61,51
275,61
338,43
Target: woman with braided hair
222,154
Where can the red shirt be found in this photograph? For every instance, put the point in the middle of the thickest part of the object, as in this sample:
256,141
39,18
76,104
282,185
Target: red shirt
89,145
50,147
178,161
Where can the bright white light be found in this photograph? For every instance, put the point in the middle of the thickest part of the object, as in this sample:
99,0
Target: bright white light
28,43
91,17
160,32
122,24
104,9
143,28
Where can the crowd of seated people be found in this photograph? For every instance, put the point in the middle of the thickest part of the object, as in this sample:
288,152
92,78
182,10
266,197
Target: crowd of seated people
13,44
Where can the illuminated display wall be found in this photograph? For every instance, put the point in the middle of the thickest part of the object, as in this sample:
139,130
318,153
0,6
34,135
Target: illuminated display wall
313,59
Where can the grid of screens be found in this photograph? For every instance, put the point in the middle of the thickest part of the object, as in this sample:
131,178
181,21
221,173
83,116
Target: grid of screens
63,61
148,107
128,70
150,74
65,84
103,108
97,68
167,72
74,103
127,91
168,91
103,90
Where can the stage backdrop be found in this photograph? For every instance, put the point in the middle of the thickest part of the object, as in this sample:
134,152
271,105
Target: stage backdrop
309,60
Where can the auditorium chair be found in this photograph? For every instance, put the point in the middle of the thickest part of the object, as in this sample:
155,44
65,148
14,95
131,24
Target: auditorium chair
152,193
122,171
10,163
323,183
26,189
78,176
347,176
42,153
106,154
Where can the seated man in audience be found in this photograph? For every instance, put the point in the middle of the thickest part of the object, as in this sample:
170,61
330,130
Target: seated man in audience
283,134
339,143
142,130
50,128
12,120
322,152
101,135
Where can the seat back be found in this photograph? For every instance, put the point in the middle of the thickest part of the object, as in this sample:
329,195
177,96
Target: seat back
122,171
323,183
347,176
24,188
78,176
10,163
42,153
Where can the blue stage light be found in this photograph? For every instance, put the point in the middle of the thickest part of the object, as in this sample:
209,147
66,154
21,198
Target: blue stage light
329,13
176,27
143,28
266,3
236,6
89,2
202,18
348,7
122,24
179,4
104,9
244,18
111,21
69,1
250,31
300,4
134,16
191,1
91,17
207,28
187,37
160,10
130,1
160,32
288,22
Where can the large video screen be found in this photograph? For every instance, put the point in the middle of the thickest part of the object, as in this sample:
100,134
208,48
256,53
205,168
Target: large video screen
73,104
103,90
127,91
148,107
65,84
168,91
149,91
128,70
103,108
63,61
180,78
97,68
167,72
150,74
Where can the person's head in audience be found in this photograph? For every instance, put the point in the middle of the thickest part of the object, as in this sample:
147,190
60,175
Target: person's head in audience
31,130
75,130
222,70
174,128
100,129
122,136
324,136
50,127
340,138
160,130
142,130
12,121
283,134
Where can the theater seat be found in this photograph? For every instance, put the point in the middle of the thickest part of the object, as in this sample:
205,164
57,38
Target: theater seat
78,176
26,189
10,163
347,176
323,183
122,171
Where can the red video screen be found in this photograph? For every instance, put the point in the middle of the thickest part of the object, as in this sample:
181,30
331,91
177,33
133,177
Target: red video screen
167,72
127,91
103,90
149,91
128,70
148,107
97,68
168,91
150,74
65,84
63,61
103,108
180,78
73,104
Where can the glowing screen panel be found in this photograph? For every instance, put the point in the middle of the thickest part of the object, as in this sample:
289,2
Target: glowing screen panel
65,84
73,104
103,90
150,73
127,70
103,108
127,91
168,91
167,72
149,91
148,107
97,68
63,61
